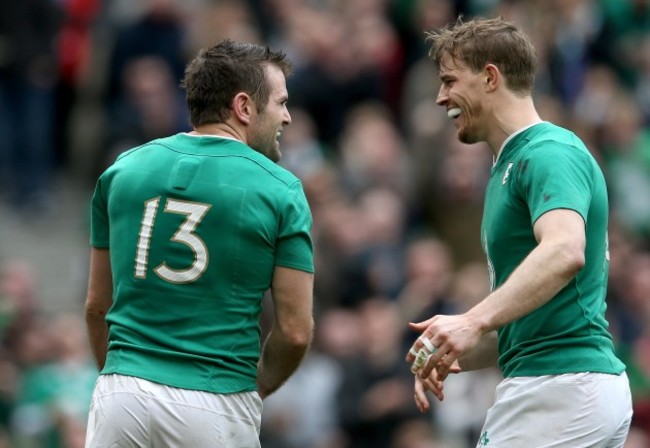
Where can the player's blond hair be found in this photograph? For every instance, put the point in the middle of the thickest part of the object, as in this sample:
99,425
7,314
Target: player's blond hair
483,41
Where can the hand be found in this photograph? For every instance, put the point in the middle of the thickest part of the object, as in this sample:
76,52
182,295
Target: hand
432,384
421,386
419,389
450,337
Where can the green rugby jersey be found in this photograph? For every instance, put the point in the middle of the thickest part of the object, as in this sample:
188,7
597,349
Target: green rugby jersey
543,168
195,226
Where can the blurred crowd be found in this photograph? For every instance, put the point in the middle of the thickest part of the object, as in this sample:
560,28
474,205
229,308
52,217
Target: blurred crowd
396,200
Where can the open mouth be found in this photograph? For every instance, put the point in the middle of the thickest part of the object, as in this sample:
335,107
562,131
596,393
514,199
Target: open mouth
454,112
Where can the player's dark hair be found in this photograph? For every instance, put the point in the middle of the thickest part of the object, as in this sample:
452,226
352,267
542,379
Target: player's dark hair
219,72
481,41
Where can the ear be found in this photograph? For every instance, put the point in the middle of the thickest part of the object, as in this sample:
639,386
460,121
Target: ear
492,78
243,107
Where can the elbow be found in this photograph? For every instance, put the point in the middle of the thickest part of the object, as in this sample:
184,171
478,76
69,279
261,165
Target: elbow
301,335
578,262
573,260
94,311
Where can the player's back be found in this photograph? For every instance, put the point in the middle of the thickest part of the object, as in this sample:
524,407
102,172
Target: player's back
193,228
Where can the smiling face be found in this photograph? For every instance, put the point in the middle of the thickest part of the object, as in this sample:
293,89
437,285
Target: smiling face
461,93
271,117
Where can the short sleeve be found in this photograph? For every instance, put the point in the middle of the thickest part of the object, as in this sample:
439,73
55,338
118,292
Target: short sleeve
99,227
294,247
556,176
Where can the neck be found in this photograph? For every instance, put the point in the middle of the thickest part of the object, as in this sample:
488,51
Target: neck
509,116
221,130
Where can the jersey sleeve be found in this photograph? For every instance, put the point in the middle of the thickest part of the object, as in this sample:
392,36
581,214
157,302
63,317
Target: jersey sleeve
294,247
99,229
556,176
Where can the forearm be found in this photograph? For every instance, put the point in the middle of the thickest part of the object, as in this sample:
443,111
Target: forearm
541,275
281,356
98,301
484,355
97,337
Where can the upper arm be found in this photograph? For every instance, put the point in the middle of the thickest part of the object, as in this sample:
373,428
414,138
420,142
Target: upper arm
565,229
99,297
292,292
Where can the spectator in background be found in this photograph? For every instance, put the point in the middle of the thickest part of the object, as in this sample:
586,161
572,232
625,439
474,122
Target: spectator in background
624,24
290,420
634,336
374,399
303,153
457,192
625,145
53,396
336,71
159,31
146,63
385,224
373,153
225,19
151,107
74,48
428,271
28,77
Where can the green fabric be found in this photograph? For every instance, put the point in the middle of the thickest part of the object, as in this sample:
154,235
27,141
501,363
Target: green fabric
195,227
541,169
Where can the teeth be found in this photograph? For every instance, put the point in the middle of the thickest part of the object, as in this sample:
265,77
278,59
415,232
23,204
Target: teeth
454,112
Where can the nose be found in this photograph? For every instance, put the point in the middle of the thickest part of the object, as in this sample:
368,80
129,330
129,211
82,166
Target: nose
287,117
442,97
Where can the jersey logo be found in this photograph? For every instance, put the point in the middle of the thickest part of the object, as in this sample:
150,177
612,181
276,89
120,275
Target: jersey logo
506,175
484,440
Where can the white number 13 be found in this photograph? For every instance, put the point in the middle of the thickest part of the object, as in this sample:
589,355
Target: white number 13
184,235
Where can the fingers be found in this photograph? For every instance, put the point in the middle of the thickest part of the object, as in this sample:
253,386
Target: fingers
419,361
428,367
455,368
443,368
427,343
421,400
421,386
432,361
422,342
434,386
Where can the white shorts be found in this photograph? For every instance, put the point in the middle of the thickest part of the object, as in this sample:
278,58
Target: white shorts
131,412
573,410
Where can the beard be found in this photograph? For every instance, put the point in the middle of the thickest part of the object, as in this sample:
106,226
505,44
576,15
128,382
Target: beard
274,153
271,151
266,143
466,136
468,133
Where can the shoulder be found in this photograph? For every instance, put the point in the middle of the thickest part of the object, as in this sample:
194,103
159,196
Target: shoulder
273,171
551,144
129,154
